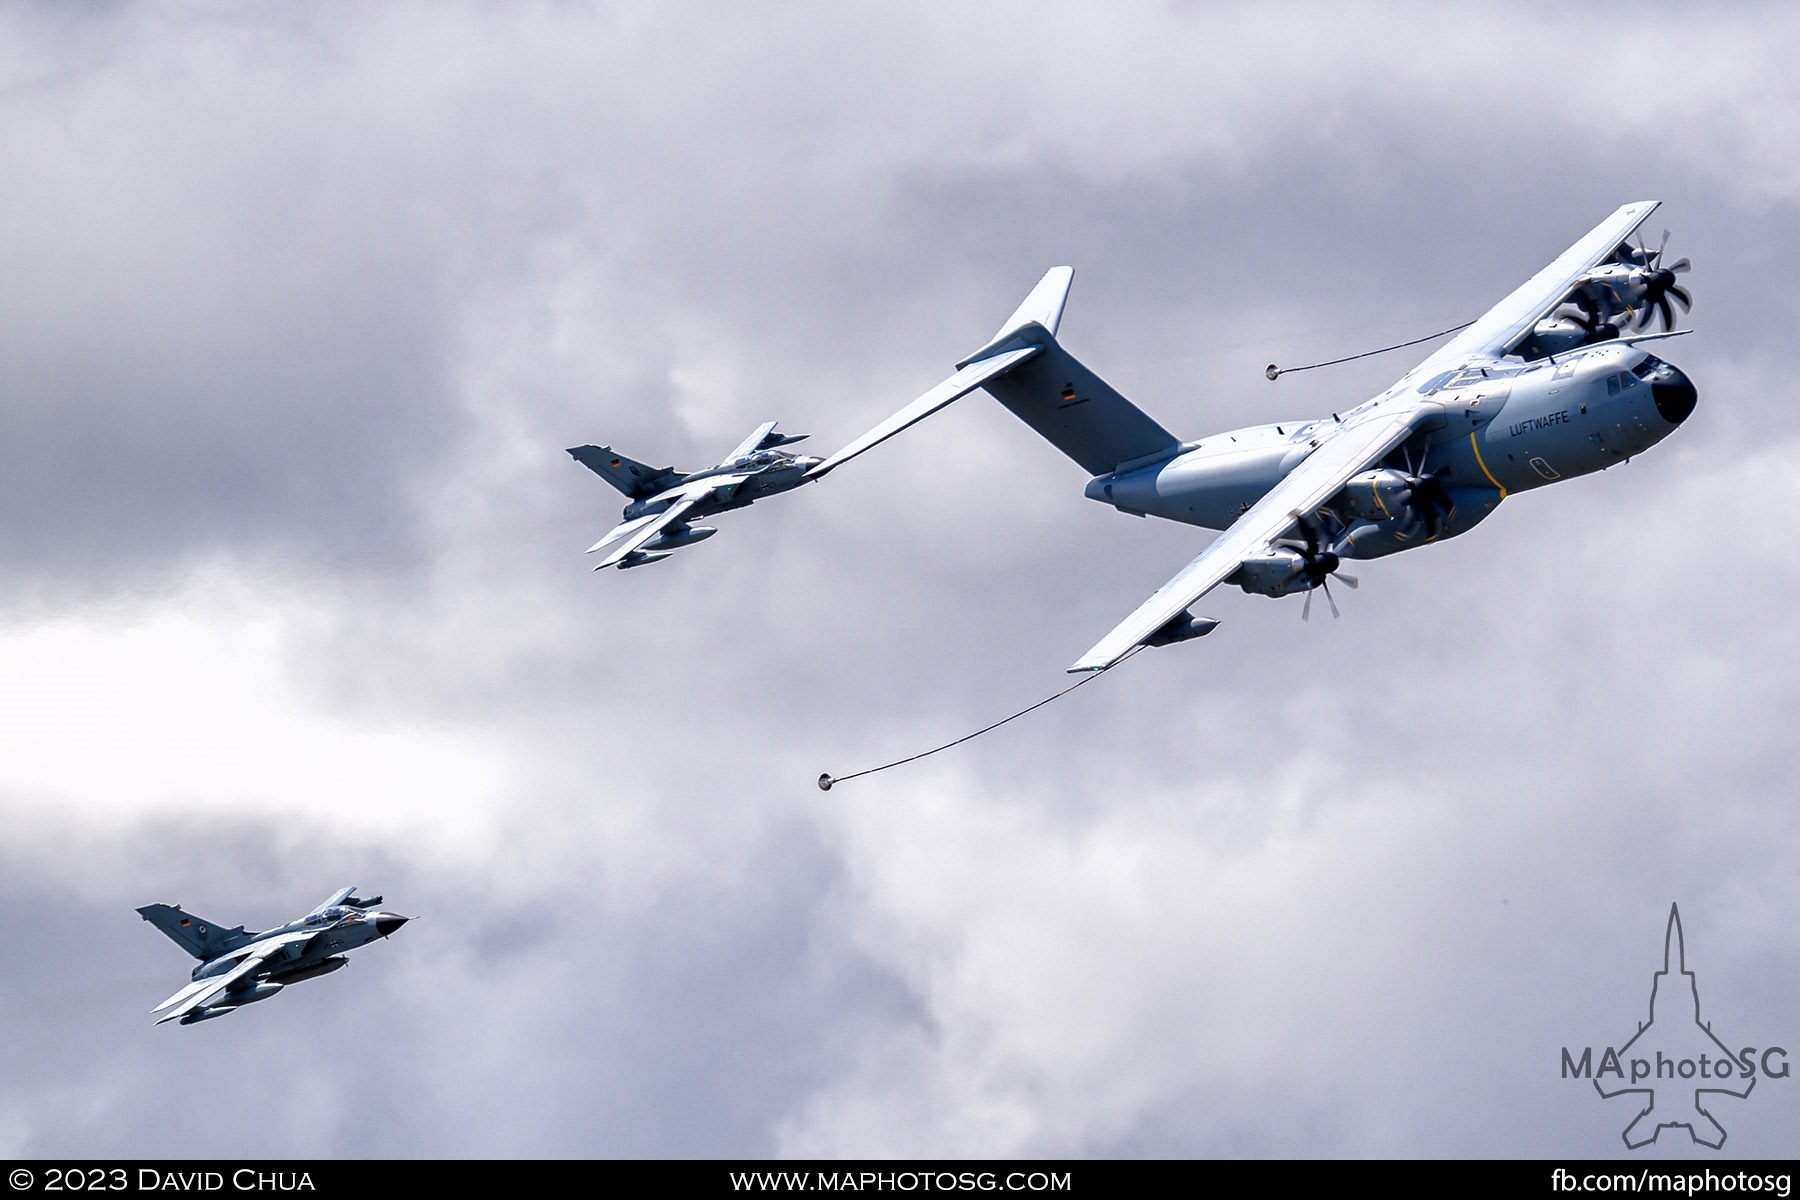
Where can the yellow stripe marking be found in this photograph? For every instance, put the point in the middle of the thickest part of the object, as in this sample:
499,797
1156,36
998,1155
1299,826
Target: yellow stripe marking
1484,467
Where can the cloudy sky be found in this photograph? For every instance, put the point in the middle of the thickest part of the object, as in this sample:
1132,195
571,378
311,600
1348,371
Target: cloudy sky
300,305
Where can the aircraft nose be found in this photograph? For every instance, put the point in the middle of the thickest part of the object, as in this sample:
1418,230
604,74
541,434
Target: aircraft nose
1674,394
387,923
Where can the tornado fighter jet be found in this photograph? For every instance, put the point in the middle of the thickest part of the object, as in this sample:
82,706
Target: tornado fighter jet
1551,383
664,501
238,968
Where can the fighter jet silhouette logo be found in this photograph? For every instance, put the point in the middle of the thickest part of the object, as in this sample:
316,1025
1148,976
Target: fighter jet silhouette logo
1676,1052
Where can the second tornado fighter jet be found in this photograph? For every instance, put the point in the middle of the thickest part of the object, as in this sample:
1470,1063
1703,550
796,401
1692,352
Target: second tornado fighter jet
665,502
238,968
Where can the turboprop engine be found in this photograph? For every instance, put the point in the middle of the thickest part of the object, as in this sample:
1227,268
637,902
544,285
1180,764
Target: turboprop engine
1280,572
1284,570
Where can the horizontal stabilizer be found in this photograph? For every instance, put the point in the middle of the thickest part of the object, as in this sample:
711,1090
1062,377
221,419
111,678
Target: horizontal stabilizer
957,386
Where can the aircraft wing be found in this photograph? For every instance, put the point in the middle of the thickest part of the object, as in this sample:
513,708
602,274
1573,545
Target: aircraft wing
1358,446
1310,484
625,539
198,993
1505,324
752,443
957,386
337,897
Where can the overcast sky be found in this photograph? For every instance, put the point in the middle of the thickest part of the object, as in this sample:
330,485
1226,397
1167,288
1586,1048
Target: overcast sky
301,304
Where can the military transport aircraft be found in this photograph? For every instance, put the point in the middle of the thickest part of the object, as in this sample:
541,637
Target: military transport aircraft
664,501
1549,384
238,968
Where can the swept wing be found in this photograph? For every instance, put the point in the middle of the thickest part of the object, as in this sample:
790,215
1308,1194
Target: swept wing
337,897
625,539
202,991
1366,438
1507,323
751,444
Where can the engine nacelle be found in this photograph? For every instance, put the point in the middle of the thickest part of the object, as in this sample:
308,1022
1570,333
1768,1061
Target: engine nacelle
1280,572
1558,335
676,538
1379,495
1183,628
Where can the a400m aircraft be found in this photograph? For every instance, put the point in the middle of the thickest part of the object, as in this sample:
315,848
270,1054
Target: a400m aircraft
1549,384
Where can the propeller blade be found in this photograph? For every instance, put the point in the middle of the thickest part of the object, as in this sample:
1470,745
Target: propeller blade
1681,294
1325,586
1349,580
1680,266
1666,312
1306,609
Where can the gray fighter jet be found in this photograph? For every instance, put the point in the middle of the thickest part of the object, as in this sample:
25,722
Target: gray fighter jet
664,501
238,968
1549,384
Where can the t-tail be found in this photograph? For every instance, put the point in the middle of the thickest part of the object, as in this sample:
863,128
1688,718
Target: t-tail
199,937
1027,371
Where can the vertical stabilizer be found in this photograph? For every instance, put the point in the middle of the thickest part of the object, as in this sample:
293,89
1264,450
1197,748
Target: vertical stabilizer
199,937
631,477
1070,407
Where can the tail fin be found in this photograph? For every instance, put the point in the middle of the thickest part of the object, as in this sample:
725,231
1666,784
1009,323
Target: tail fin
628,475
199,937
1071,407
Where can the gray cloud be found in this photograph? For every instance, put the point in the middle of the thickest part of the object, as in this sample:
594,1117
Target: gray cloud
302,307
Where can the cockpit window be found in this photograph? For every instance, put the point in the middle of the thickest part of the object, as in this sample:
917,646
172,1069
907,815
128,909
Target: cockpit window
1650,363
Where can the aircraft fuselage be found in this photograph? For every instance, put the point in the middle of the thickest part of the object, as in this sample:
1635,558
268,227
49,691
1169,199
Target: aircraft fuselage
1509,428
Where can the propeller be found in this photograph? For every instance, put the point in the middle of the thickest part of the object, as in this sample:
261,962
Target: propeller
1431,505
1318,564
1594,324
1660,286
1429,500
